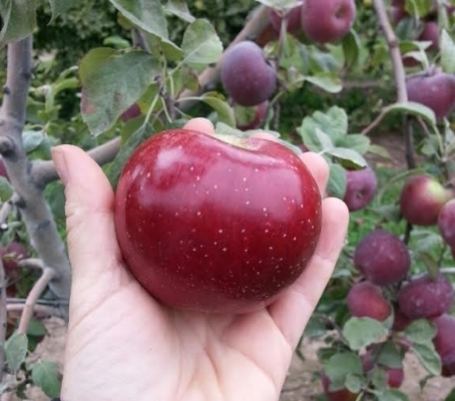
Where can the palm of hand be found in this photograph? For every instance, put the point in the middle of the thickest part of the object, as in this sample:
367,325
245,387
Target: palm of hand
122,345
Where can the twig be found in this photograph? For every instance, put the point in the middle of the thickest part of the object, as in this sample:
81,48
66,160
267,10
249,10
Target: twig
47,302
3,318
32,263
409,143
374,123
447,270
39,309
34,294
33,207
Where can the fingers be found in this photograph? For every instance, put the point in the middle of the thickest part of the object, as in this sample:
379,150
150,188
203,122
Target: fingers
92,243
293,309
201,125
319,169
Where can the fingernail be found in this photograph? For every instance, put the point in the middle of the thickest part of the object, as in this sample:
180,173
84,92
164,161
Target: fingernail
58,156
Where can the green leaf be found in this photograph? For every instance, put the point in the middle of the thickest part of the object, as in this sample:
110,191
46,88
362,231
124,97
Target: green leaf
357,142
219,104
146,14
447,53
420,331
392,395
111,82
201,45
36,328
361,332
413,108
379,151
354,383
15,351
351,48
451,396
19,19
6,190
428,357
337,181
32,139
45,375
340,365
59,7
324,140
328,82
418,8
279,4
179,8
348,157
390,356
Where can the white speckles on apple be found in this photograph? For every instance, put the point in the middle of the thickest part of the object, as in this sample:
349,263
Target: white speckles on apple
215,186
270,248
206,256
198,178
193,230
199,213
244,179
284,198
247,202
284,235
243,230
266,231
215,243
264,209
246,250
294,238
220,231
176,214
194,250
148,175
224,249
256,170
191,168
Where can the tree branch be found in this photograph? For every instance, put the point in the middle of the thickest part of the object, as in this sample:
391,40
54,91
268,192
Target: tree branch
392,42
32,298
34,209
3,318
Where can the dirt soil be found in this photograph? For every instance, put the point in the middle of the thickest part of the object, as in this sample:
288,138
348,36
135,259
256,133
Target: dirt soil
302,383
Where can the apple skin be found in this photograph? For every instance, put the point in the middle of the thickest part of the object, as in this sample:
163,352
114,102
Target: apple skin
430,33
327,20
246,75
435,90
422,198
208,226
400,321
260,114
3,172
361,188
337,395
133,111
425,297
382,258
444,343
294,23
446,223
366,300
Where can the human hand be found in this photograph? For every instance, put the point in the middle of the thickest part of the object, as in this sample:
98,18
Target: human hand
123,345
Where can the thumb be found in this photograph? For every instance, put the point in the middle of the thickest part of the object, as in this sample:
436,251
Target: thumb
92,243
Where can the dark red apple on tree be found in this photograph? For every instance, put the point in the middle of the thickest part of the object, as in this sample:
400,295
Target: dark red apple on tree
213,226
444,343
398,11
400,321
422,198
327,20
430,33
3,172
11,255
133,111
292,16
446,223
435,90
251,117
246,74
382,258
367,300
361,188
426,297
336,395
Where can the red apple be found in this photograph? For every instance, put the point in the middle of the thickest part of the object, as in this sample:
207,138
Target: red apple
251,118
444,343
426,297
446,223
337,395
213,226
400,321
293,17
422,199
132,112
3,172
361,188
327,20
366,300
430,33
382,258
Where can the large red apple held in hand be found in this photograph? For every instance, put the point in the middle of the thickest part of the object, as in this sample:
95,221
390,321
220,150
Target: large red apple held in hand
446,223
246,75
382,258
213,226
435,90
327,20
293,19
422,198
426,297
366,300
361,188
444,343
